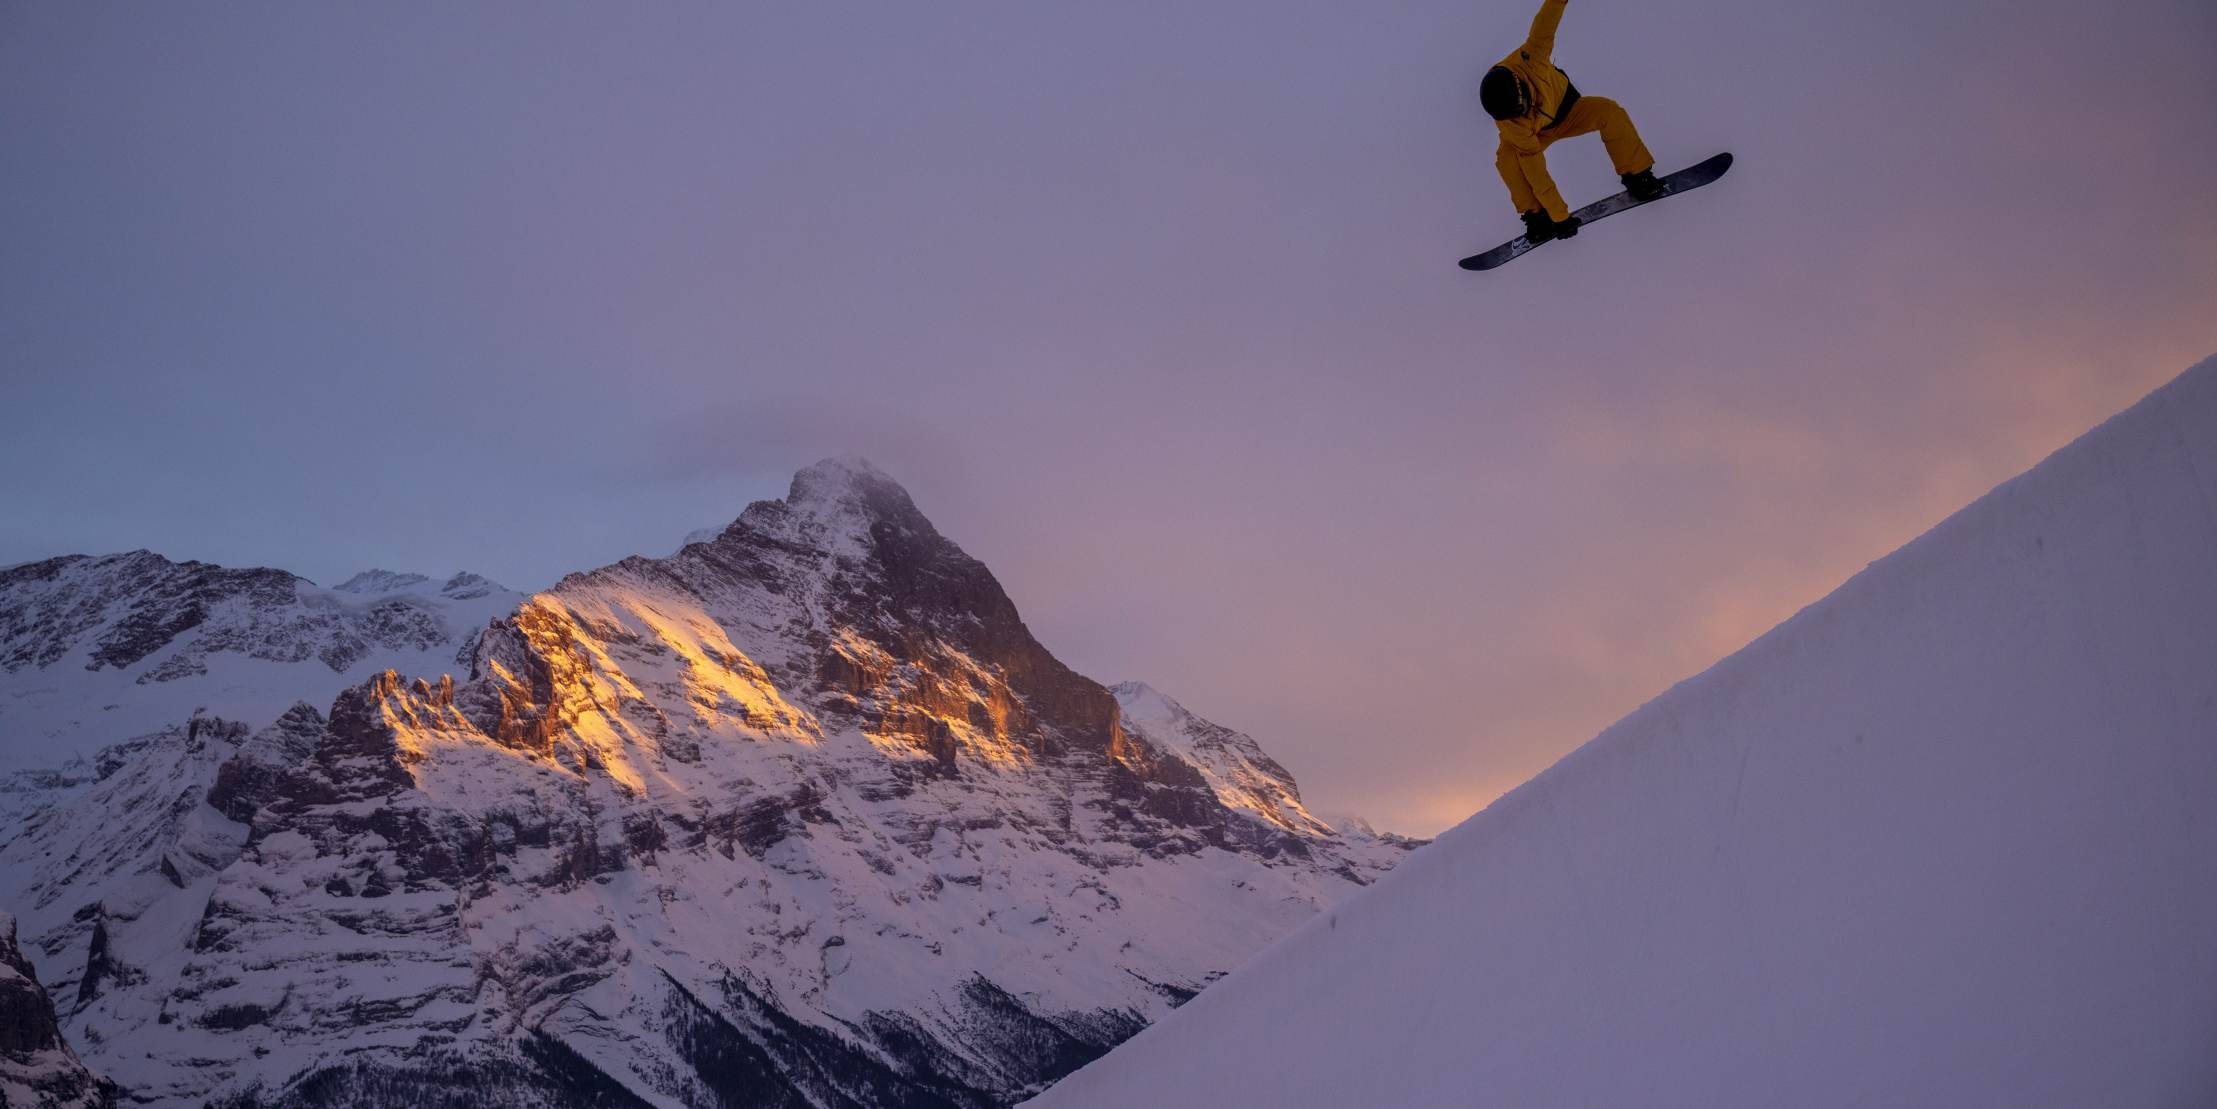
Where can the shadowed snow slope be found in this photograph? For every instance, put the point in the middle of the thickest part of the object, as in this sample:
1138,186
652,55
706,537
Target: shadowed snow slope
1942,839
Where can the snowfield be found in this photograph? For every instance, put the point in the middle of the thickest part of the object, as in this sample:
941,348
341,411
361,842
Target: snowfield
1946,838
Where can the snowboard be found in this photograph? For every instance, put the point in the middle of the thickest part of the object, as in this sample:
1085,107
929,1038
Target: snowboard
1685,180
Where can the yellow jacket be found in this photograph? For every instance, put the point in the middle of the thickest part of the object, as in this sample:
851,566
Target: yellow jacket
1534,64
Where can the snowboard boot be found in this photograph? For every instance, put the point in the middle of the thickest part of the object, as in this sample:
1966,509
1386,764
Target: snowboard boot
1538,228
1644,185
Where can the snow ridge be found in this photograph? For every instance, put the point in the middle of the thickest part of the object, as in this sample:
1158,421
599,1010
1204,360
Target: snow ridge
1242,777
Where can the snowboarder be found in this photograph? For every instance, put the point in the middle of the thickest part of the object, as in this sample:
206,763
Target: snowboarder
1534,104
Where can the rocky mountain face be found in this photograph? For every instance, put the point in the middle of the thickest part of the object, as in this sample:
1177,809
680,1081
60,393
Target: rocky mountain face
801,815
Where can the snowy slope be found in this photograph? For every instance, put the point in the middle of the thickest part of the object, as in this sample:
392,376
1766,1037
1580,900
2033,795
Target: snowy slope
799,815
1946,838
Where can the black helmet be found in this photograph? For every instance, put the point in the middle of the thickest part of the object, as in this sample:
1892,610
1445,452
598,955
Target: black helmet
1503,94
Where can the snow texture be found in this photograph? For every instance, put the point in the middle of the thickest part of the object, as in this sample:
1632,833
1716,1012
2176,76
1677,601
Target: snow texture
1945,838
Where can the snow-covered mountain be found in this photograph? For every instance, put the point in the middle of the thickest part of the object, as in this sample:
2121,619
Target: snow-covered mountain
1945,838
799,815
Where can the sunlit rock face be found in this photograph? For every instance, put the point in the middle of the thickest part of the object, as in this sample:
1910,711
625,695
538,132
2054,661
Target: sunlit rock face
799,815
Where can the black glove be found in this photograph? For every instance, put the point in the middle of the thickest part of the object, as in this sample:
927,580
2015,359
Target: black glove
1538,228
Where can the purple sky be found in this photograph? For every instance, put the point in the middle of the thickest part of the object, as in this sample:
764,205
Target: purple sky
1151,304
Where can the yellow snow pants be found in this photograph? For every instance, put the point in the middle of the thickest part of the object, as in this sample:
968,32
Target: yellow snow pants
1526,173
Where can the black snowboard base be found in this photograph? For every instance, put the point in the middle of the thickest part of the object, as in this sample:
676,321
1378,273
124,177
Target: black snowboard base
1685,180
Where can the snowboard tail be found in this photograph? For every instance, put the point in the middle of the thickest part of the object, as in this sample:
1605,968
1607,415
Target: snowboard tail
1685,180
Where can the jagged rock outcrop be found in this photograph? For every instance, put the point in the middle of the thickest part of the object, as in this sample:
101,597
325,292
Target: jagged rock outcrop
800,815
37,1068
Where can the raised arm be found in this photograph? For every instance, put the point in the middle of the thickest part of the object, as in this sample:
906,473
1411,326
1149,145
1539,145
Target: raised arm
1542,43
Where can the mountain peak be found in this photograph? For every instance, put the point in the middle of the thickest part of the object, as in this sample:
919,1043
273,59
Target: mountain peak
849,488
1146,704
836,505
378,583
839,475
381,581
1234,766
468,586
